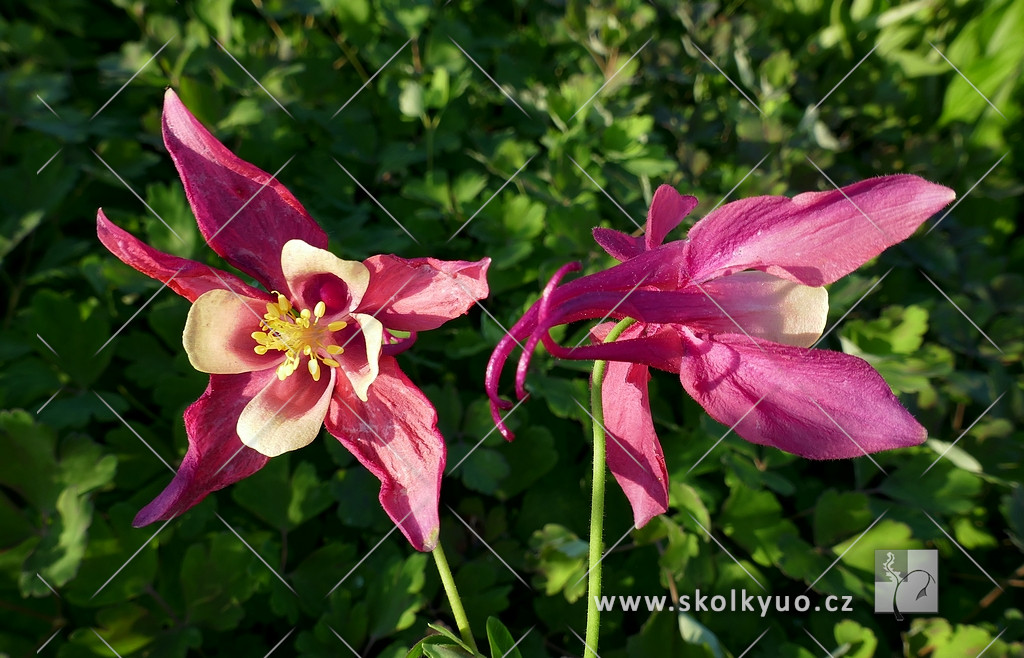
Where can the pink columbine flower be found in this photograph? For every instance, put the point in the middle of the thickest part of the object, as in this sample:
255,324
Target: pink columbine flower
316,347
733,310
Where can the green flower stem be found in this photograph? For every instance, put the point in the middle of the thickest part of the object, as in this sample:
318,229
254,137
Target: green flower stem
597,497
453,597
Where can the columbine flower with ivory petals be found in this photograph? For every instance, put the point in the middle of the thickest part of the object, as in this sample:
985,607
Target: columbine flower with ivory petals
316,347
732,310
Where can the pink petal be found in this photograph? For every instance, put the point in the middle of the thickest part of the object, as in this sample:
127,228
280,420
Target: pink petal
244,214
817,404
620,246
422,293
816,237
394,435
185,277
633,451
216,456
668,209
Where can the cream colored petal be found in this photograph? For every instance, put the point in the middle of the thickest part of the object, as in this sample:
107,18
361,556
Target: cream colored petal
287,414
768,307
218,334
299,261
361,374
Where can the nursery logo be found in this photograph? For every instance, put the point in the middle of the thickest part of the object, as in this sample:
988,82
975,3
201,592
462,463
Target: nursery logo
906,581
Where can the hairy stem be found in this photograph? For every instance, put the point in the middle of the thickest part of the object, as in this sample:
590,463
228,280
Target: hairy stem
597,498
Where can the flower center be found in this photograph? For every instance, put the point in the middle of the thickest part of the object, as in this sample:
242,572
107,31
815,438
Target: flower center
297,333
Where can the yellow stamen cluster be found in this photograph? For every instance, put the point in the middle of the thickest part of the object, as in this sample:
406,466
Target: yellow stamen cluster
297,333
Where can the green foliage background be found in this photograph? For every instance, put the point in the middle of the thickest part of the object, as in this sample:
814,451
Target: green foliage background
615,99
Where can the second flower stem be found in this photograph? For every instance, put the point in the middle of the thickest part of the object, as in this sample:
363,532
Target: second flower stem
454,601
597,497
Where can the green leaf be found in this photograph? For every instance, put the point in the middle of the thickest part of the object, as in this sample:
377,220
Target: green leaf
484,469
695,633
501,641
858,641
561,560
216,578
839,515
53,315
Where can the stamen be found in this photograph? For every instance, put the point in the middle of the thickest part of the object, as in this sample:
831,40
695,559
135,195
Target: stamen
288,330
